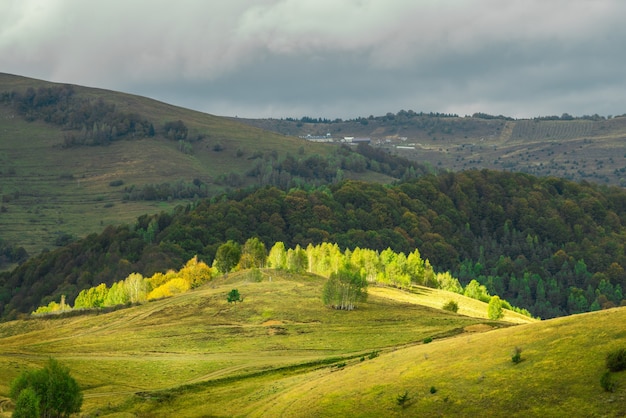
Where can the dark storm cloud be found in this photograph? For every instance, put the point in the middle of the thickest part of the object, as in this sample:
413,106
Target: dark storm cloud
258,58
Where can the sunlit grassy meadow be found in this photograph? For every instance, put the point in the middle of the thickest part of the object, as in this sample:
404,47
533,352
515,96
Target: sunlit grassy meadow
168,356
473,375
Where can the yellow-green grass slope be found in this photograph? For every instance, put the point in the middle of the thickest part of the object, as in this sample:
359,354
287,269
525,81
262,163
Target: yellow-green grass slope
473,375
196,354
46,190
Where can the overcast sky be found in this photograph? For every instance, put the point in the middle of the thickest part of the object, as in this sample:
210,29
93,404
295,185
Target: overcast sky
330,58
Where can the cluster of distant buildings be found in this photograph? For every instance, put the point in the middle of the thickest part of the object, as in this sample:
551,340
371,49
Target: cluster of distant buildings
329,138
355,140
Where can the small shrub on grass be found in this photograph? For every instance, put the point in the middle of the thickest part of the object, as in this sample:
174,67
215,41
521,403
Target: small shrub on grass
433,390
517,355
616,360
428,340
234,296
607,382
372,355
451,306
403,399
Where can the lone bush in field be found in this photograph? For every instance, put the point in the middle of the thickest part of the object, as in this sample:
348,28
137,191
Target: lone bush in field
50,391
234,296
517,355
403,399
451,306
616,360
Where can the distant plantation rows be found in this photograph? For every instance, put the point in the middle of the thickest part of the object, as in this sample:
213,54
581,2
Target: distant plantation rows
551,129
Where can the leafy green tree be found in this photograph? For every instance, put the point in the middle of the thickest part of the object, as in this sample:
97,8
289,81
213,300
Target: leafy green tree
117,295
253,254
55,389
367,260
234,296
227,256
324,259
297,260
277,258
93,297
345,289
27,404
477,291
494,309
447,282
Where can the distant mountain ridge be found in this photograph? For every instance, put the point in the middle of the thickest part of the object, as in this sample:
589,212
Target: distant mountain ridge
588,148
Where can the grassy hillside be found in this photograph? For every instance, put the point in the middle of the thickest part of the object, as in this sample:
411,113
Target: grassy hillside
473,375
578,149
48,192
174,355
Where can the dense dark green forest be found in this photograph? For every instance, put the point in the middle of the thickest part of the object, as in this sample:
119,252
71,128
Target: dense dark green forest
548,245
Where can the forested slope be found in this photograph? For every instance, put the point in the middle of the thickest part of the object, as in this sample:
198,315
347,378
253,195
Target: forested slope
548,245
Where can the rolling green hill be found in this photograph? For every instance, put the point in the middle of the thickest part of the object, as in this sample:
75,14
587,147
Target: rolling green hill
282,353
74,159
49,192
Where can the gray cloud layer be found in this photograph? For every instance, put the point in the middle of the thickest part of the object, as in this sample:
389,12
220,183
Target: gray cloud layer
339,58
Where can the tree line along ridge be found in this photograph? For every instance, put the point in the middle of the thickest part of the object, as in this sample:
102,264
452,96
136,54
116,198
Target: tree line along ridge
547,245
348,274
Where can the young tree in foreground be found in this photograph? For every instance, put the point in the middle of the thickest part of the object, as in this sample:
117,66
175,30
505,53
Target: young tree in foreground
57,393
